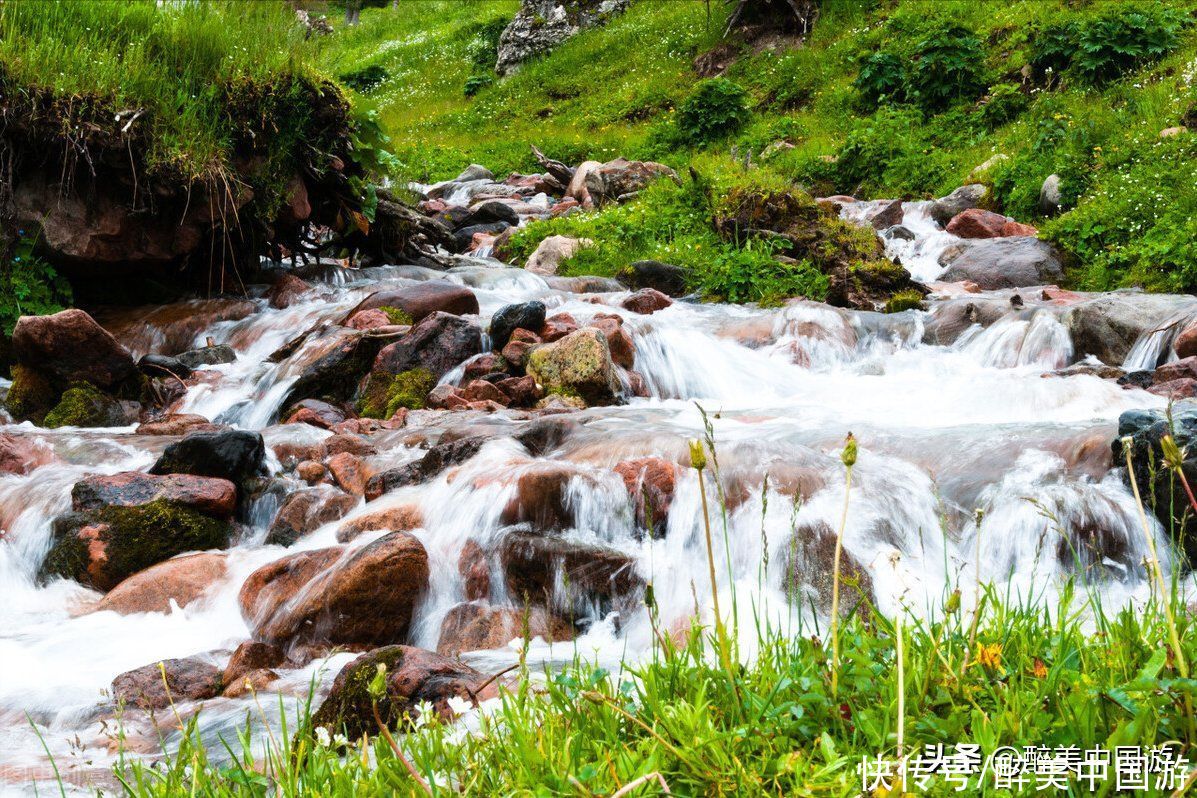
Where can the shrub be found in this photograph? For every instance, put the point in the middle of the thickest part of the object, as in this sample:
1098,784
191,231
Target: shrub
717,108
29,286
882,78
1003,104
1052,49
476,83
1124,38
947,67
753,274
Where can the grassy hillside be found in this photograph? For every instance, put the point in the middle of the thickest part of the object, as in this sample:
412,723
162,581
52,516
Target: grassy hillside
886,99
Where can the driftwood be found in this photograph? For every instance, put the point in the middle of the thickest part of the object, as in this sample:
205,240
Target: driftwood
557,170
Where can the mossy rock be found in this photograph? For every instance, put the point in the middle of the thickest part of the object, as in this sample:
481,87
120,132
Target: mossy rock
31,395
579,365
103,547
385,393
84,405
904,300
397,315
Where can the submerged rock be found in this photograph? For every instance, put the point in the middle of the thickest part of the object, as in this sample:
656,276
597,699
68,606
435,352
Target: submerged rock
477,627
180,581
567,575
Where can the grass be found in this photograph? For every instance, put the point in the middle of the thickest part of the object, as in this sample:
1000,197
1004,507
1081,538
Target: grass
790,720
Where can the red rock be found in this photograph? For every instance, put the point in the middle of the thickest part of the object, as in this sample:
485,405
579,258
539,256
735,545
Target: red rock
423,299
347,442
367,598
403,518
20,454
1058,296
252,682
311,471
650,482
350,472
1185,368
178,424
890,215
445,397
636,384
477,627
317,413
557,327
159,684
288,290
619,341
291,453
565,205
207,495
977,223
553,571
520,391
251,656
483,391
183,579
474,570
268,589
70,347
482,365
359,426
518,346
305,511
485,406
1185,344
1184,388
646,301
1013,228
541,498
369,320
433,206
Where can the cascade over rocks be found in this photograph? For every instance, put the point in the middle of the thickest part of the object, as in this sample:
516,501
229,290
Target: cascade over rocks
1107,325
342,358
650,482
997,263
413,675
808,570
422,299
437,459
536,566
306,511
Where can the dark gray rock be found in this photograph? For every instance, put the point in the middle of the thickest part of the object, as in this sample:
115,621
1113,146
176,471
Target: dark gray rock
963,198
525,315
994,263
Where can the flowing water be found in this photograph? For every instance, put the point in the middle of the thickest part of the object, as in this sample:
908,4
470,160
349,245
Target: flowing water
944,432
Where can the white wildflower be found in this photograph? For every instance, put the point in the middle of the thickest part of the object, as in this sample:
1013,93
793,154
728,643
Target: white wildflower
424,713
323,737
459,705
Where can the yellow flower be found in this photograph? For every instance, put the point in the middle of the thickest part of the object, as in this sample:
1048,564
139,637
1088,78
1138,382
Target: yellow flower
1040,670
989,656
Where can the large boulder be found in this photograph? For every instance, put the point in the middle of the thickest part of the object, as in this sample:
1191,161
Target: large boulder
210,496
477,627
1163,494
549,254
180,580
367,598
438,343
334,367
622,179
159,685
566,575
960,200
1002,263
84,405
422,299
69,347
509,318
577,365
1108,325
265,592
235,455
1050,197
413,675
541,25
20,454
665,277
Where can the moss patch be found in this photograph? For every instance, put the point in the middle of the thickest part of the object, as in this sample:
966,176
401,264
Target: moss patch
904,300
349,707
31,395
385,393
397,315
84,405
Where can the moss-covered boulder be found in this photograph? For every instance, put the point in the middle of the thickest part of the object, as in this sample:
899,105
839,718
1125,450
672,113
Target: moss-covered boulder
85,405
412,675
385,393
99,548
577,365
31,395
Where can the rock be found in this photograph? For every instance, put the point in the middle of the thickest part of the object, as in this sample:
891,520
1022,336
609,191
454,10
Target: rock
1137,379
978,173
477,627
465,238
163,367
266,591
368,320
161,684
412,676
177,424
542,25
1176,370
316,413
402,518
436,460
546,434
366,598
621,179
1012,228
1183,388
181,580
489,211
557,403
566,575
215,355
577,365
69,347
977,223
249,657
213,497
526,315
438,343
1169,132
350,472
287,291
646,301
549,254
889,216
305,511
1049,196
84,405
349,442
422,300
254,681
474,570
541,499
900,231
557,327
1162,493
1108,325
952,317
311,471
809,569
101,548
619,340
174,328
20,454
963,198
520,391
445,397
235,455
334,367
483,391
664,277
518,347
1185,343
650,482
474,172
1002,263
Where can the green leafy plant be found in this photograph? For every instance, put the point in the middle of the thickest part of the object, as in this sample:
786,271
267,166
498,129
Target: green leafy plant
1003,104
882,78
717,108
29,286
1124,38
948,65
366,79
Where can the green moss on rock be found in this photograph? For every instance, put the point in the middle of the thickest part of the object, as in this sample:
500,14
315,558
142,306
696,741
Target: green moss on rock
396,315
579,365
84,405
904,300
386,393
31,395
